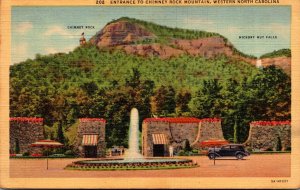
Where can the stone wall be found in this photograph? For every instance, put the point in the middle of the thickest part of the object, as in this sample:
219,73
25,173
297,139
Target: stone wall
177,130
210,128
26,131
91,126
269,135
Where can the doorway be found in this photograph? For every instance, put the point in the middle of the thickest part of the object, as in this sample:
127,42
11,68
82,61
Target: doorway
90,151
158,150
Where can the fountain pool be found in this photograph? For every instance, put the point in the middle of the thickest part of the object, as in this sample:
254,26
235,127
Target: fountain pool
133,160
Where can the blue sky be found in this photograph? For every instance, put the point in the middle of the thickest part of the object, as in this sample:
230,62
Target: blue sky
44,30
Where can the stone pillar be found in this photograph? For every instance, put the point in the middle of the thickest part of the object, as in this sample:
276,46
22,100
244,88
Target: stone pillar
210,128
26,131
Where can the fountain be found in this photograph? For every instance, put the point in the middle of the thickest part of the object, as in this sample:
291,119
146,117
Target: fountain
133,141
133,160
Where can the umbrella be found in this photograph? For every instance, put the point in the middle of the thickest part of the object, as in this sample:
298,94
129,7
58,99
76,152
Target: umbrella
47,144
213,143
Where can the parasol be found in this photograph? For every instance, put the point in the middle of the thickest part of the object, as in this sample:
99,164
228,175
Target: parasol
47,144
213,143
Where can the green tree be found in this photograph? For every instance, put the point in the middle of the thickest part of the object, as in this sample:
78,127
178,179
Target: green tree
186,145
235,129
165,100
182,100
17,146
207,102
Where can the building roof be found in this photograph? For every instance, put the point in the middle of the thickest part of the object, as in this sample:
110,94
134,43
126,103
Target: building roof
181,120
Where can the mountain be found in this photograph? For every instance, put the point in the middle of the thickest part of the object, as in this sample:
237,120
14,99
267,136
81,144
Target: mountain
149,39
158,70
280,58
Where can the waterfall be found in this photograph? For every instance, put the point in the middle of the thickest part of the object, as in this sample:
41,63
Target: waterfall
258,63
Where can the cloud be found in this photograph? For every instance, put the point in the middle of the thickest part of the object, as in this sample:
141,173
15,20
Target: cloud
233,29
198,21
24,27
282,30
59,31
20,52
52,50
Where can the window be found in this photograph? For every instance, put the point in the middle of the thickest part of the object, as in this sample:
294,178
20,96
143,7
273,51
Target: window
226,147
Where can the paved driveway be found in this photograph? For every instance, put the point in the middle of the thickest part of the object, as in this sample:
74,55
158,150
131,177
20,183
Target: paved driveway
266,165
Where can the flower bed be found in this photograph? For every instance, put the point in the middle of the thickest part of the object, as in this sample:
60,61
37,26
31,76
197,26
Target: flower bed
133,164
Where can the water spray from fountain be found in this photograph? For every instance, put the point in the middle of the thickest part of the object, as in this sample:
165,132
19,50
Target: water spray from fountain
133,141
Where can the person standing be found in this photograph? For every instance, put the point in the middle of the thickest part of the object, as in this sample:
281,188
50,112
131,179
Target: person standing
171,151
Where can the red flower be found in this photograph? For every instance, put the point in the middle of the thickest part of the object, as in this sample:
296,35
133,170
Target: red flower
211,120
181,120
36,155
27,119
92,119
269,123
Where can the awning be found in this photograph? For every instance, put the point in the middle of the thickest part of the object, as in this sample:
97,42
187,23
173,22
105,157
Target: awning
159,139
90,140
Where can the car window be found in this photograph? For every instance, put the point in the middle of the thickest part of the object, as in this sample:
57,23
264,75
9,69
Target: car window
226,147
236,147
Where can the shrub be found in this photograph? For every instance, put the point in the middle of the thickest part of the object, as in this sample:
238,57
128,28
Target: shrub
278,145
26,154
17,147
57,155
69,153
249,149
195,151
181,153
186,146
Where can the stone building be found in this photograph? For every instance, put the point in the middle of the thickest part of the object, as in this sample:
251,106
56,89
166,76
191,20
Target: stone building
23,132
160,133
91,137
269,135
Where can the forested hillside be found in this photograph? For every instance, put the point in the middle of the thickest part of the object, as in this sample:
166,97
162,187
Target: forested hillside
92,81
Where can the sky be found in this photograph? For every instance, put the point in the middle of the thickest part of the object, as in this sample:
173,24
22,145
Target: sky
44,30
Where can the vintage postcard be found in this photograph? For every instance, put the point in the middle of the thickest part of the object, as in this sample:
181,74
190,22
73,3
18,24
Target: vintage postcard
150,94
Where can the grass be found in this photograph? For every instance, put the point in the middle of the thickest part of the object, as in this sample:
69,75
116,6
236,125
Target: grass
131,168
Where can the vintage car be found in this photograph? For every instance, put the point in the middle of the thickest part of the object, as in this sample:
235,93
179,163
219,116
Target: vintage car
236,150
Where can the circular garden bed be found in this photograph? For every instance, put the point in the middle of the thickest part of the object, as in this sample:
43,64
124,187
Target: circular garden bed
132,164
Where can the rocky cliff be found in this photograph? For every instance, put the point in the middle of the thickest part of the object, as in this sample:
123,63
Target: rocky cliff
282,62
148,39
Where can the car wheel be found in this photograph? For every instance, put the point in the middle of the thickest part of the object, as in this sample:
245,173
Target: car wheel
239,156
211,156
